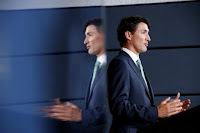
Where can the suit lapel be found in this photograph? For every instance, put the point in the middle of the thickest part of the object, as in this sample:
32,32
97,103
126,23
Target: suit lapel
88,92
150,88
98,76
139,76
138,73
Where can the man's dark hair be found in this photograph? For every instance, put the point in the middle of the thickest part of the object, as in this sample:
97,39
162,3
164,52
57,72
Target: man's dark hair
94,21
129,24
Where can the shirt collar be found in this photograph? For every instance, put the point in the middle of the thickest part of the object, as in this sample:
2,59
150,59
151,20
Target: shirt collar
133,56
102,59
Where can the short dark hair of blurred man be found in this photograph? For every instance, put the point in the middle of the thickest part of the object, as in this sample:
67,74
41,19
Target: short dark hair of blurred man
131,98
95,113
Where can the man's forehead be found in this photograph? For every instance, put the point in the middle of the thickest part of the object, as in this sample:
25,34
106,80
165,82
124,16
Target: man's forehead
91,28
142,26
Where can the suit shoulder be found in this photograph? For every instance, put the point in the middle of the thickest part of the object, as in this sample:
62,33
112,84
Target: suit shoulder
119,59
118,63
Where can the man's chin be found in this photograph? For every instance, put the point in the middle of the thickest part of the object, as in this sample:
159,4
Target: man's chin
91,52
144,50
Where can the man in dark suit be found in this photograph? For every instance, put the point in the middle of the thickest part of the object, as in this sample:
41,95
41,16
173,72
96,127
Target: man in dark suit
131,98
95,113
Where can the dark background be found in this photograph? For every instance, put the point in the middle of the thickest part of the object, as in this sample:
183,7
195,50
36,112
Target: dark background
42,57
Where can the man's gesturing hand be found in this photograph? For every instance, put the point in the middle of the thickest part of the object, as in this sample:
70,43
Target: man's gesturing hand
168,108
64,112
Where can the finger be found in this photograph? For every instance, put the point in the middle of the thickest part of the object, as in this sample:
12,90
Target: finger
178,105
175,112
59,116
46,109
178,109
59,107
186,106
71,105
174,106
67,104
57,101
175,103
53,114
63,119
56,109
178,96
187,101
166,100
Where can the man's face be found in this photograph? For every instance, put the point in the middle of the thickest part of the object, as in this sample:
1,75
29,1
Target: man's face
140,39
94,40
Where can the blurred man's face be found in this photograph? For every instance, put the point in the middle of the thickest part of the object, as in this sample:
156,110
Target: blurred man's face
140,38
94,40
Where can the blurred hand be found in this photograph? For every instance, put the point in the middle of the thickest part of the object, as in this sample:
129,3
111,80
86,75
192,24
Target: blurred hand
168,108
64,112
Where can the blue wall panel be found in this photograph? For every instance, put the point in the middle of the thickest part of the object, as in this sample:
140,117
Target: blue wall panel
44,31
173,70
172,24
36,78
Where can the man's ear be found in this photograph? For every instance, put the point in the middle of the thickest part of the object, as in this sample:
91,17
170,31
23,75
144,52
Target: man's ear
128,35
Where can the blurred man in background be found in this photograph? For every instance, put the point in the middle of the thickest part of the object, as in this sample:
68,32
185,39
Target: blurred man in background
96,111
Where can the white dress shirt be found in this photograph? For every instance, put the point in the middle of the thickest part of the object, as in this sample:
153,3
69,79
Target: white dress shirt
133,56
102,59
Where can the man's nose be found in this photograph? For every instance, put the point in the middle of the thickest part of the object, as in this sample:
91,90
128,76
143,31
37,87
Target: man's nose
148,38
86,41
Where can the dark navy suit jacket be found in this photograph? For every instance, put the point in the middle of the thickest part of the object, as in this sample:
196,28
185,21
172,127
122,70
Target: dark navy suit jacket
131,105
95,115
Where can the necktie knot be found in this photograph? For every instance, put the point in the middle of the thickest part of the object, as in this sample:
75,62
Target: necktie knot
97,64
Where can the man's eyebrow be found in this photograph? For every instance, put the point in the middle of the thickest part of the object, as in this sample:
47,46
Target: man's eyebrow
88,33
145,30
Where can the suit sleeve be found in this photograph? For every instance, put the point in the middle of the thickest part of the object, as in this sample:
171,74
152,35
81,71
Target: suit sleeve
94,116
118,93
